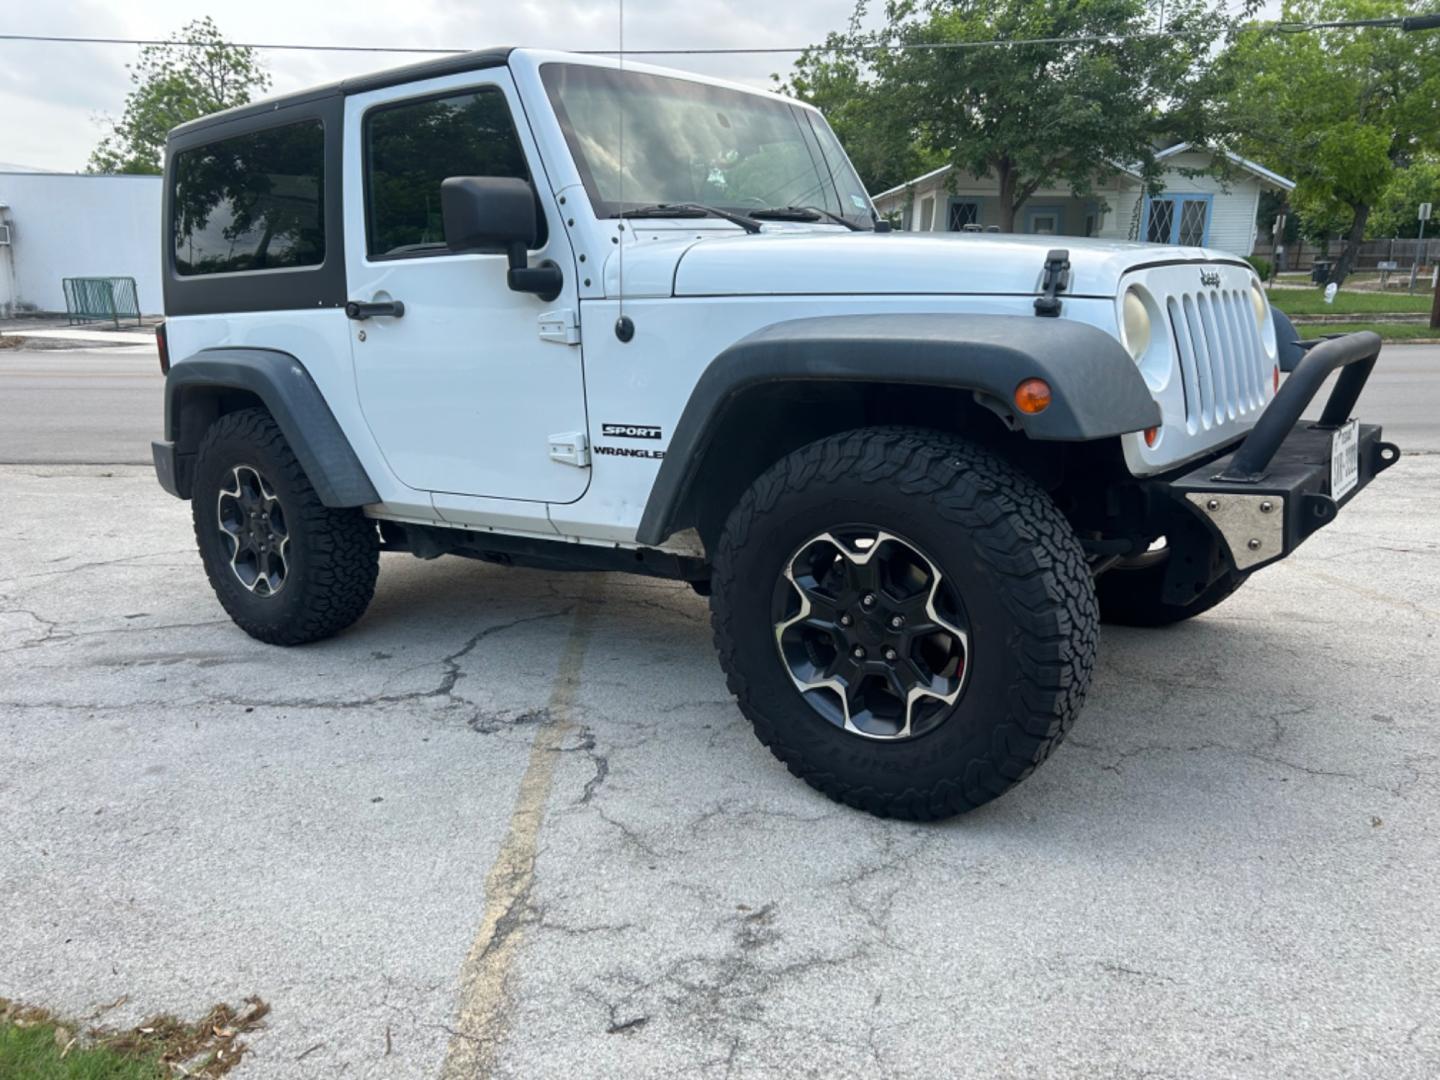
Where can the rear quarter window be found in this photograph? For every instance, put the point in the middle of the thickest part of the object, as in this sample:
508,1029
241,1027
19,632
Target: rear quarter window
250,202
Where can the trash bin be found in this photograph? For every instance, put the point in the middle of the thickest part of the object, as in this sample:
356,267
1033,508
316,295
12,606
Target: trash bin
1320,271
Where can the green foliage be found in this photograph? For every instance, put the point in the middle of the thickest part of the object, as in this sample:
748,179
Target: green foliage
1262,266
173,83
1031,116
1336,110
1395,211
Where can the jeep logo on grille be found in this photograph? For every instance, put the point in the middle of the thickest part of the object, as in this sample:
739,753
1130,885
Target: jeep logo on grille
1211,278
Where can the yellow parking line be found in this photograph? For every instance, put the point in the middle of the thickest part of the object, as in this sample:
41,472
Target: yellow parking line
485,977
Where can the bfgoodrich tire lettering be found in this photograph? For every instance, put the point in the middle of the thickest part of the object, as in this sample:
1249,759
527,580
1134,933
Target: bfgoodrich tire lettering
1016,565
331,557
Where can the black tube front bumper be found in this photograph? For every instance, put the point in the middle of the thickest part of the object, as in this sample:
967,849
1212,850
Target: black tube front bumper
1276,488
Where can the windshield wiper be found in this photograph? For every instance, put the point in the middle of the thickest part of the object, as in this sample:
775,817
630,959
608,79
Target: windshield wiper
803,213
684,210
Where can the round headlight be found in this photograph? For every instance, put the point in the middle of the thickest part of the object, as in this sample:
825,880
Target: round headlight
1259,302
1135,325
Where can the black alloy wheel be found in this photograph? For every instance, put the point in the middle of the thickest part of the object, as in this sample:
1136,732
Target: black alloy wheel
252,521
874,637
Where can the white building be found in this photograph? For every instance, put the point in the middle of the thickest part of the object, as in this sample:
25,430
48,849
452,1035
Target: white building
1195,207
63,225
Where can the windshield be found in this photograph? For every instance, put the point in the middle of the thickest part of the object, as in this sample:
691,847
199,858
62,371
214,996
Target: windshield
688,142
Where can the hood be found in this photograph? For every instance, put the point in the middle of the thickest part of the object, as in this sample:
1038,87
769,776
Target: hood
790,261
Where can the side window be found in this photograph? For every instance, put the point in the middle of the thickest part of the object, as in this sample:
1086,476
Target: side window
962,214
410,147
252,202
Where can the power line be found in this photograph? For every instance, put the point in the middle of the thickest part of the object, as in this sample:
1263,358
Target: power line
1404,23
1407,24
1090,39
232,44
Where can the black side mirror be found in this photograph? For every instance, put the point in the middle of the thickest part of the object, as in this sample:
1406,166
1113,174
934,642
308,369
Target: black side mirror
499,214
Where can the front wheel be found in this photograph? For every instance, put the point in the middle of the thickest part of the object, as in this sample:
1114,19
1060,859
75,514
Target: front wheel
287,568
906,619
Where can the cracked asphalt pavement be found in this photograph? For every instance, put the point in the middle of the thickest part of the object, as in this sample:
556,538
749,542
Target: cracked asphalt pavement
512,824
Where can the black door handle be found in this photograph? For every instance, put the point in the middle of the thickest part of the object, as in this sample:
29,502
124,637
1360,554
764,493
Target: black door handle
390,308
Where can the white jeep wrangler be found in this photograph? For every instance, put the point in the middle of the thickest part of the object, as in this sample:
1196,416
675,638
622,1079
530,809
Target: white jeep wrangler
556,311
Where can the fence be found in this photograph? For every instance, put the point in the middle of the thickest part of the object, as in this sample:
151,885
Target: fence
1300,255
94,299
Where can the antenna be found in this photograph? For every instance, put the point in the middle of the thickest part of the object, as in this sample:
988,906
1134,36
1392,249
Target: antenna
624,327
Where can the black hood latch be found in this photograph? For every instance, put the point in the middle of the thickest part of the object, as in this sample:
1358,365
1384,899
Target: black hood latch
1056,280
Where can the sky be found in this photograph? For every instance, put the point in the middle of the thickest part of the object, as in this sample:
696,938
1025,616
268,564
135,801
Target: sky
55,98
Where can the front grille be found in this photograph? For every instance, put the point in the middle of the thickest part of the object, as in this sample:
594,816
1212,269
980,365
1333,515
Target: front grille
1222,360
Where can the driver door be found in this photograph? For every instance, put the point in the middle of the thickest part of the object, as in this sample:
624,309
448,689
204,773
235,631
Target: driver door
460,391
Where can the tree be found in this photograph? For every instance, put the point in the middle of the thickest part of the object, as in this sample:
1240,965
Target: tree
1338,110
172,83
1395,212
1030,116
881,142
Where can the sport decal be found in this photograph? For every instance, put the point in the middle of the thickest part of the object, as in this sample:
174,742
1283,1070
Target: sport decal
630,431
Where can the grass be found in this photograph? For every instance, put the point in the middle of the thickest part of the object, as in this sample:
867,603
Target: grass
1387,331
35,1053
36,1045
1312,302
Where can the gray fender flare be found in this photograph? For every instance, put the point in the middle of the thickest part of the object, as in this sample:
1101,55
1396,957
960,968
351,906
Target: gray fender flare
195,385
1097,390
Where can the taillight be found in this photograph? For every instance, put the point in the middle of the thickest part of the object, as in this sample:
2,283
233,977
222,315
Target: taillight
163,347
1275,378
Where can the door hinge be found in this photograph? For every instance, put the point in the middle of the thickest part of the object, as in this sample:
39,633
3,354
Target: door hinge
560,326
571,448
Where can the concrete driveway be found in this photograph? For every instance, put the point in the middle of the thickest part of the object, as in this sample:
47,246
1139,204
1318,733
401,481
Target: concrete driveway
511,824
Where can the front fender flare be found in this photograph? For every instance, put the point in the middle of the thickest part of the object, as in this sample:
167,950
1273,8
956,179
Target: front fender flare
1097,390
286,389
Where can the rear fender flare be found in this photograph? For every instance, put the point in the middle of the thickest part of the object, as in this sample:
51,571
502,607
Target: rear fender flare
281,383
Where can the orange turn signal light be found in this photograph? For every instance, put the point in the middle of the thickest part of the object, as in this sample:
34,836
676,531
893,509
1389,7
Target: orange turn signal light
1152,436
1032,396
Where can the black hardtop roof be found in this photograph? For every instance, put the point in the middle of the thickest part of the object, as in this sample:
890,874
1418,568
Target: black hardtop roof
359,84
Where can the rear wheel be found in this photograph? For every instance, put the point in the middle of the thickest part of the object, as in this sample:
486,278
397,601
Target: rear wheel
287,568
906,619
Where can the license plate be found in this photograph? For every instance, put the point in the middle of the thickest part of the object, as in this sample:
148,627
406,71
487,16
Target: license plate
1345,460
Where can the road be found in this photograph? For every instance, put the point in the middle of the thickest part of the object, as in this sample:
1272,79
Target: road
1403,394
103,406
95,406
512,824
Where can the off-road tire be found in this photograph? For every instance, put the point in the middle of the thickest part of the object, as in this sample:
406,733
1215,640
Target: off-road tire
1133,597
1024,580
333,554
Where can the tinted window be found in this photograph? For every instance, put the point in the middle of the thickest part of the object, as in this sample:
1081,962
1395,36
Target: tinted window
254,202
412,147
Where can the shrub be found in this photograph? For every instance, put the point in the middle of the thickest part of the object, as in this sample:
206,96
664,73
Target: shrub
1261,265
